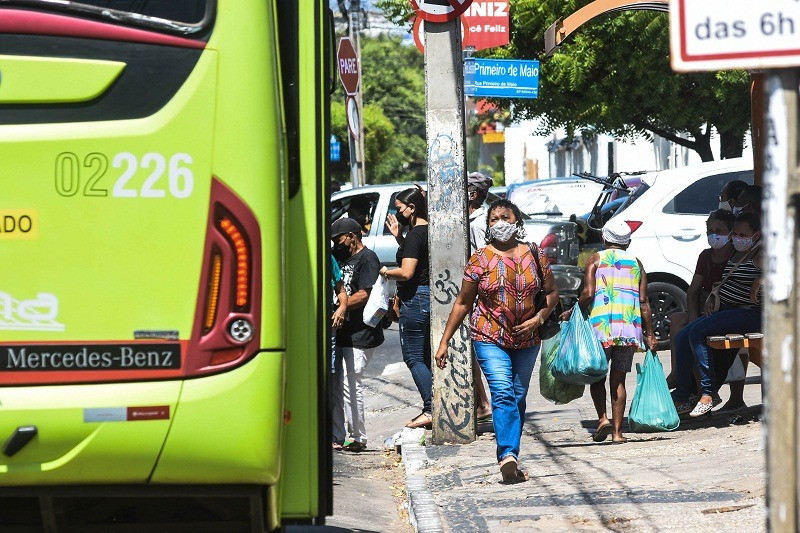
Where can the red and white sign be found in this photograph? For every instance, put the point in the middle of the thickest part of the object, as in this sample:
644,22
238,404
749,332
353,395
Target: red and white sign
720,34
440,10
347,61
487,24
419,37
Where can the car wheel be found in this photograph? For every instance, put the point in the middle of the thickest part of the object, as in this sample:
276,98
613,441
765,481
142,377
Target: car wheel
665,299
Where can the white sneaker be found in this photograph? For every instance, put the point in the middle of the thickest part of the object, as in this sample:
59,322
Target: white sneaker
701,409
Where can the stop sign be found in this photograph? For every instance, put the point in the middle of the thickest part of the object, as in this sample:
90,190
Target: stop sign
347,61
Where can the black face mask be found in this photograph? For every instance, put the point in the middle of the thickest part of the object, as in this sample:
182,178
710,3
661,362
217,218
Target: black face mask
341,252
402,219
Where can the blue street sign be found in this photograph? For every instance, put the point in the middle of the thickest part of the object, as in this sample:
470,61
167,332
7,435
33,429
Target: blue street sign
336,150
503,78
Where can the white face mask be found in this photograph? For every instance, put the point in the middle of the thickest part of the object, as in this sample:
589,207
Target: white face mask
717,241
502,231
725,206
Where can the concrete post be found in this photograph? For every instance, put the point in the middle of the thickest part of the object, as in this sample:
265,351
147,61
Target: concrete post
781,186
453,399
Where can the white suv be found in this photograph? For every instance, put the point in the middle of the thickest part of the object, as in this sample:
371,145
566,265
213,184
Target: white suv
668,214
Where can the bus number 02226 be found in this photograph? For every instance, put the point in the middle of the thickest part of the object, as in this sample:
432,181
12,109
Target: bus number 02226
71,173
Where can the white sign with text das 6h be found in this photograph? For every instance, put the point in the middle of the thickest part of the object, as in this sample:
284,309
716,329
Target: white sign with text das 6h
720,34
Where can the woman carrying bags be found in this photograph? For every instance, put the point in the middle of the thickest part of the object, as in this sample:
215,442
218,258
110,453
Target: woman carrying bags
615,288
508,277
414,294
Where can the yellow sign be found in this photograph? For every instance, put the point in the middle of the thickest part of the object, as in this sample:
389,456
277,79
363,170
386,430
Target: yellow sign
494,137
19,224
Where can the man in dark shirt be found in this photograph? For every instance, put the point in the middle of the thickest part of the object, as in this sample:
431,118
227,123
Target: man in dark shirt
355,340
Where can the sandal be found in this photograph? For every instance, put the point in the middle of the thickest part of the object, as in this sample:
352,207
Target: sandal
336,447
511,474
602,433
355,447
422,420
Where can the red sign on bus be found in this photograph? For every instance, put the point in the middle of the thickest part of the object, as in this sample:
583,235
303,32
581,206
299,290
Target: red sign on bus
347,61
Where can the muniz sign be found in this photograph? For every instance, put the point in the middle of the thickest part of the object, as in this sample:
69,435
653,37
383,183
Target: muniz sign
721,34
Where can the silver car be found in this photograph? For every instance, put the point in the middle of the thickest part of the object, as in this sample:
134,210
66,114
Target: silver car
370,205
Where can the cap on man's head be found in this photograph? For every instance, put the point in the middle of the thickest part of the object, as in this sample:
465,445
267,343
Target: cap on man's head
481,181
617,231
345,225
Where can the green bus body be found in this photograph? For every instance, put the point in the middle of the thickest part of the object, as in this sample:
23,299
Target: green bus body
159,184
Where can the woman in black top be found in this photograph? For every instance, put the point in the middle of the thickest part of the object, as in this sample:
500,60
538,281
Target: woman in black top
414,294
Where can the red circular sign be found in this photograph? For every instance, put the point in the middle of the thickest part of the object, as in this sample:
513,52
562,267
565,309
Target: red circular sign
347,61
419,29
440,10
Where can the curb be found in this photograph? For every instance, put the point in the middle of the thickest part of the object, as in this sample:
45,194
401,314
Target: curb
422,509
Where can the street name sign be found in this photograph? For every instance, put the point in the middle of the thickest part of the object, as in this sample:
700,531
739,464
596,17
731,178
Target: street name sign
440,10
347,61
720,34
502,78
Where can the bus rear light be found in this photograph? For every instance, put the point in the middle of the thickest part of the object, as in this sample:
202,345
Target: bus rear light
242,265
228,315
213,291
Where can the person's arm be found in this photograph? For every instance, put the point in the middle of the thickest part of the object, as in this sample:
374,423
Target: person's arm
693,302
341,310
461,307
404,272
756,287
647,314
587,295
551,296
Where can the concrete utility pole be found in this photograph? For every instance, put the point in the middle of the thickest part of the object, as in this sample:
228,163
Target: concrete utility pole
358,144
453,399
781,380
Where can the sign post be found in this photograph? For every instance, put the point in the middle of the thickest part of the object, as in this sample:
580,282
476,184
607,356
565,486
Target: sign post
711,35
453,399
350,75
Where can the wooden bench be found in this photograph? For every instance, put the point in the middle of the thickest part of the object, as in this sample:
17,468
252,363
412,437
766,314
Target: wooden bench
752,341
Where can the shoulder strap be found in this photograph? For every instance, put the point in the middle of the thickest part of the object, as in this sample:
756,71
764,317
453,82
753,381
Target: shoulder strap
742,260
535,254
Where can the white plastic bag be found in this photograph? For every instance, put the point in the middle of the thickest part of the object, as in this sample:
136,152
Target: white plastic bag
377,304
737,373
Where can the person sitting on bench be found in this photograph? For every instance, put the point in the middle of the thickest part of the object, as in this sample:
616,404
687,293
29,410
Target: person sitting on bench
739,312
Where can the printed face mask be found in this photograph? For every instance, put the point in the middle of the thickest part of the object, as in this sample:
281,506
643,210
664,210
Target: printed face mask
717,241
725,206
503,231
742,243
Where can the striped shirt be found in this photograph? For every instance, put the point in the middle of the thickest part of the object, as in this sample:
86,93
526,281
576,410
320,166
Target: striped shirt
735,292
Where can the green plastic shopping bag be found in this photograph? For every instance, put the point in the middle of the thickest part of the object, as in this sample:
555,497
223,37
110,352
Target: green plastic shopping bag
552,389
581,359
652,408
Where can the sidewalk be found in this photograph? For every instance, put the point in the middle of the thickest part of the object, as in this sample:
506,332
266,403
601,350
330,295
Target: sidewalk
706,475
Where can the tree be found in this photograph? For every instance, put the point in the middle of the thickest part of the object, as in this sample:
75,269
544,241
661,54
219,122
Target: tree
394,112
613,76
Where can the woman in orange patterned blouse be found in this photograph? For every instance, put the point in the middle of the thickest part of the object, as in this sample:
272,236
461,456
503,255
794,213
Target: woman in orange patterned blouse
506,276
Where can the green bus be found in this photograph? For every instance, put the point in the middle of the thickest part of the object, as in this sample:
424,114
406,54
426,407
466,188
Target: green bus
162,290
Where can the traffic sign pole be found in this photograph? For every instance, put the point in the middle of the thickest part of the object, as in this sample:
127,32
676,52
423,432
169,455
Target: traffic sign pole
453,398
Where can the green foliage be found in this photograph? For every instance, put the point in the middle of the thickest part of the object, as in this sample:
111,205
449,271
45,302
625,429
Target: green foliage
398,11
613,76
394,114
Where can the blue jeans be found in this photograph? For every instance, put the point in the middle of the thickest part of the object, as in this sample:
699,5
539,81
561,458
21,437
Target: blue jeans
415,342
690,345
509,374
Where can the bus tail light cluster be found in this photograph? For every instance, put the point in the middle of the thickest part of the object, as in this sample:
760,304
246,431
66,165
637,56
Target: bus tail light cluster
225,332
549,247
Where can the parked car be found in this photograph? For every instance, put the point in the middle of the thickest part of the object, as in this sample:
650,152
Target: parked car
555,197
668,212
373,203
